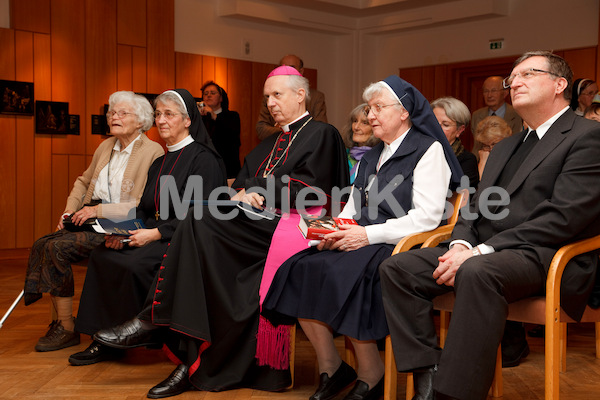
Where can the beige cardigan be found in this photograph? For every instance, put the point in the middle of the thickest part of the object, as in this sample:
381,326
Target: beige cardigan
144,152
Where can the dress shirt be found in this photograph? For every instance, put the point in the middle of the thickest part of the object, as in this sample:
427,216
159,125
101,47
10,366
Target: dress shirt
431,178
108,185
540,131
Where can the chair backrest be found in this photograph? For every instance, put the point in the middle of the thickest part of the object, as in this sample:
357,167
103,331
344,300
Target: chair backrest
458,200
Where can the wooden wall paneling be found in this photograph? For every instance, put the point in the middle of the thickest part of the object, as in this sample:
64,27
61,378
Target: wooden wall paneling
428,83
124,67
30,15
24,145
77,165
140,73
7,161
441,81
259,75
161,48
312,76
68,70
188,73
100,61
131,22
208,68
412,75
44,220
597,75
221,73
582,62
240,87
60,184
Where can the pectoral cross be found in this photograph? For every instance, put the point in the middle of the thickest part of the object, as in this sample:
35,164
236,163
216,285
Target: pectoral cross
156,215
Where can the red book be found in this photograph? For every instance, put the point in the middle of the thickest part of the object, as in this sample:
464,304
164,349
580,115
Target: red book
317,227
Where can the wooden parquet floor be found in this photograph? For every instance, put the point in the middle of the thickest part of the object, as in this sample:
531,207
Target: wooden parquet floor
27,374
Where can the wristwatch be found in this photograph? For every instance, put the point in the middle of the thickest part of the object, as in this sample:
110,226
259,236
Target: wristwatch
475,251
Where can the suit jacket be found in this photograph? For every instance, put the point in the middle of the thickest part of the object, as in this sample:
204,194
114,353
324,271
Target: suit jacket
510,116
554,200
315,106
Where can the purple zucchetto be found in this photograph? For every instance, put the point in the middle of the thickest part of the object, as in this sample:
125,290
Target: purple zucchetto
284,70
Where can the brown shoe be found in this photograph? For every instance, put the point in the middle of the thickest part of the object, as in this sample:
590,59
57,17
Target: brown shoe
57,338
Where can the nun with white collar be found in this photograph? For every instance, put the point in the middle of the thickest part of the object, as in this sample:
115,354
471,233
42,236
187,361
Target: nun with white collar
119,275
400,189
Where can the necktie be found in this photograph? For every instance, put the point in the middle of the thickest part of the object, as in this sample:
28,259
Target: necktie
517,159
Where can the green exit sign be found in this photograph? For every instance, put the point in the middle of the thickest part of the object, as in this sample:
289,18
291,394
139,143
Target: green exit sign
496,44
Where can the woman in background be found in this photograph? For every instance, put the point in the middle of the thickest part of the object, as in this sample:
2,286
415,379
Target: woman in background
223,126
490,131
110,187
358,137
454,116
583,93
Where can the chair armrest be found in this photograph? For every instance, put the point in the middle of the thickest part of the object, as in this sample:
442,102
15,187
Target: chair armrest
442,233
409,241
557,267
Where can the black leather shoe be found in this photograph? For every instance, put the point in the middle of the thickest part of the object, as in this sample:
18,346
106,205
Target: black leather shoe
177,383
95,353
361,391
423,380
128,335
330,387
512,355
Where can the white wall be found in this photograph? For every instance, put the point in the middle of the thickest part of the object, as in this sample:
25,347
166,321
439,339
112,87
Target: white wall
348,62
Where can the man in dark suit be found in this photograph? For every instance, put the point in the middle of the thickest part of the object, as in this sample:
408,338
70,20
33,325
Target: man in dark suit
494,96
549,174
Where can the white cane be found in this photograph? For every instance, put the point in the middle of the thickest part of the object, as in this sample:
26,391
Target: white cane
10,310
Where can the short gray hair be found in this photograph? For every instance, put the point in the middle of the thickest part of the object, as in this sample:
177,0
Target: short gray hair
173,96
140,105
455,109
296,82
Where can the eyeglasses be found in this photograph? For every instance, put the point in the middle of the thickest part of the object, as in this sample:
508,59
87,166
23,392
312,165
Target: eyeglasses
448,125
120,114
525,75
167,114
212,93
378,107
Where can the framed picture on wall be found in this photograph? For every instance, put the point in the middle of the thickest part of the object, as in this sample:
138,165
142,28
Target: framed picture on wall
51,117
99,125
17,97
74,124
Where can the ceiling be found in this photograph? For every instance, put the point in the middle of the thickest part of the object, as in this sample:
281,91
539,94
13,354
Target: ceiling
343,17
360,8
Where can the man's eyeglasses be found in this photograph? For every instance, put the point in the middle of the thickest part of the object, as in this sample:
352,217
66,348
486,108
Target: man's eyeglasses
525,75
378,107
120,114
167,114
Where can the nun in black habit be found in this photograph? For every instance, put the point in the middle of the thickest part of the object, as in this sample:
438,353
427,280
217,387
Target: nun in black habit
335,287
119,275
207,288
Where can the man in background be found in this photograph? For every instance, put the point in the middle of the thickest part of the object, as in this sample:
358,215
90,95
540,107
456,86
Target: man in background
494,96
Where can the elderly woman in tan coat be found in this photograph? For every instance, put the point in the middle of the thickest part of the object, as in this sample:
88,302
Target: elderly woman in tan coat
109,188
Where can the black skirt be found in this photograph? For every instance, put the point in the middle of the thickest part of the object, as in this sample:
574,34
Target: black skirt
206,292
341,289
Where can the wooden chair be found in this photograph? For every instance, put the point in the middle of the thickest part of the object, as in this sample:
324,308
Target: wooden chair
458,200
543,310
